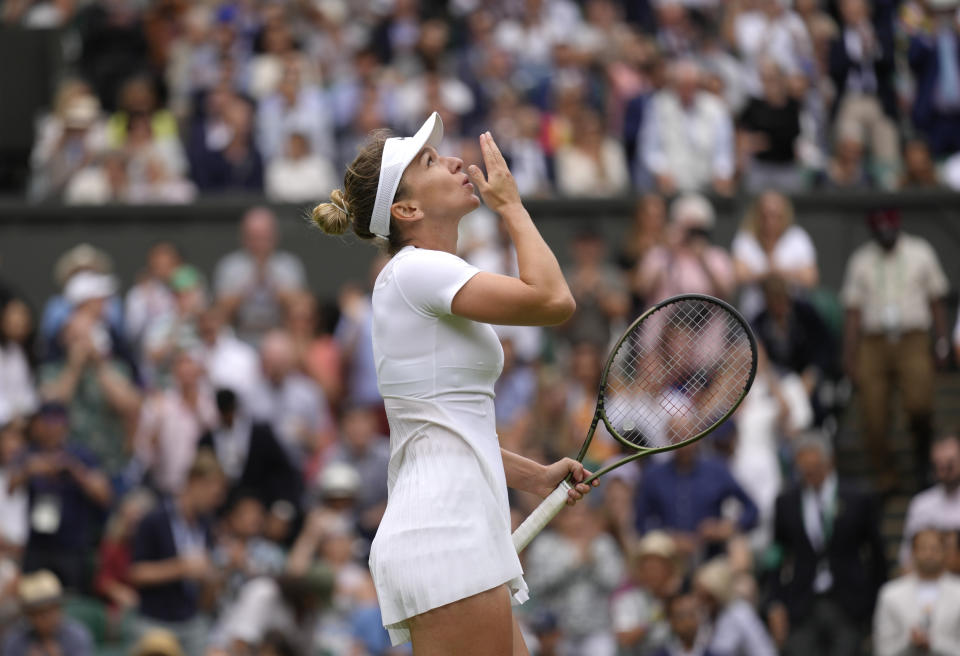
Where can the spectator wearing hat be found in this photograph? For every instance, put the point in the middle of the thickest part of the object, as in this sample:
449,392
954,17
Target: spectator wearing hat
58,308
687,262
637,608
67,494
893,293
171,556
96,386
832,558
736,627
920,611
255,284
44,629
250,455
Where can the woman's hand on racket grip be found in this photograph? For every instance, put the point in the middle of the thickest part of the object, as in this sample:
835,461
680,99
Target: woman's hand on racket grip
498,190
558,471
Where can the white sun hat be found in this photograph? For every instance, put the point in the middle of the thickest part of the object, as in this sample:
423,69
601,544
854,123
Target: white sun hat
85,286
398,152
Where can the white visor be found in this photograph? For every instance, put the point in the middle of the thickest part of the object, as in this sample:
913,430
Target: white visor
398,152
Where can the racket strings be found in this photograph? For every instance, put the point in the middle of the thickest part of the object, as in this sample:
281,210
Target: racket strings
677,373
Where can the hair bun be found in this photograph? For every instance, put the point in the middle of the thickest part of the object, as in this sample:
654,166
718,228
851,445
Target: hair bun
332,217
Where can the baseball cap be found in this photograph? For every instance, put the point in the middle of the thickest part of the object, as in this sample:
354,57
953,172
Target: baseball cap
398,152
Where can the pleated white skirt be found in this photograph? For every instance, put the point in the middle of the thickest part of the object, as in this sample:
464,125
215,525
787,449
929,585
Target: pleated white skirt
445,535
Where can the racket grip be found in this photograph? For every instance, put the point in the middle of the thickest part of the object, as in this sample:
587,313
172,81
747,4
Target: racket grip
541,516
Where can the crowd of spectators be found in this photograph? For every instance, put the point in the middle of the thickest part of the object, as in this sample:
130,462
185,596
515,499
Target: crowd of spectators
200,460
196,464
165,99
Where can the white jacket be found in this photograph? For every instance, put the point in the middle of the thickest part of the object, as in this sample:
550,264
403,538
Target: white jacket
898,612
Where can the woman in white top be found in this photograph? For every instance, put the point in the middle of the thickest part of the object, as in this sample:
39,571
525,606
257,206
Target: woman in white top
769,243
443,562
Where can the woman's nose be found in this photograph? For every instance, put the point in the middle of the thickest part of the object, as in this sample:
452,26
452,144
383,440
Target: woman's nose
454,164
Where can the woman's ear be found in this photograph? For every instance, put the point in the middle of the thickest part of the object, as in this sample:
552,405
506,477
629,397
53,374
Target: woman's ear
406,210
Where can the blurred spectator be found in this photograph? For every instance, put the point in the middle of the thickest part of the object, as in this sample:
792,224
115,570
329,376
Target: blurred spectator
363,447
593,164
768,29
769,130
18,393
171,557
175,331
846,169
141,124
105,180
687,262
736,628
638,607
157,642
44,629
250,455
832,559
572,569
770,243
171,423
287,604
645,231
515,391
687,136
528,162
67,494
893,291
920,611
318,353
295,107
918,168
95,386
689,633
254,285
861,67
67,140
224,155
112,579
689,497
13,500
289,401
151,298
299,174
241,553
354,335
939,506
229,363
934,57
597,286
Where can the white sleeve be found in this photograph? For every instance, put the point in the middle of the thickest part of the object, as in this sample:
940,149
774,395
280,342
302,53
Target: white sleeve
246,620
430,279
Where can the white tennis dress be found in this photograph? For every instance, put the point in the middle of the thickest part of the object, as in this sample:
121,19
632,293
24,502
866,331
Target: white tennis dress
445,534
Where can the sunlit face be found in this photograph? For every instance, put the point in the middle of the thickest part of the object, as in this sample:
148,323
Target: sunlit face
435,186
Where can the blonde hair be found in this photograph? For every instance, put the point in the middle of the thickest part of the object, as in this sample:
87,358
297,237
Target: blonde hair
751,220
353,205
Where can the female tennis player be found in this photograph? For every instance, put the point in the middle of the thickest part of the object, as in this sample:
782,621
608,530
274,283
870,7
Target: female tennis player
443,562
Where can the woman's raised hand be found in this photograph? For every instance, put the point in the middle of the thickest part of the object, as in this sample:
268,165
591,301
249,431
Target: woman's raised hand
498,190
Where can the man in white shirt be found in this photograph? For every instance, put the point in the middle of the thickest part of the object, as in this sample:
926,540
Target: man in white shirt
919,613
893,294
686,141
938,506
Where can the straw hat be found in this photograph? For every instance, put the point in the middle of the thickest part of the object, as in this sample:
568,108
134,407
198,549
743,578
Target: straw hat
157,642
38,589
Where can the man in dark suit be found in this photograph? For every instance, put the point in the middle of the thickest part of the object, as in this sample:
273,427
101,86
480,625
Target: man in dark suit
934,57
832,559
251,456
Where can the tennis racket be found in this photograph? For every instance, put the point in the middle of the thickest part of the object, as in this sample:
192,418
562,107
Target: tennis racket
677,373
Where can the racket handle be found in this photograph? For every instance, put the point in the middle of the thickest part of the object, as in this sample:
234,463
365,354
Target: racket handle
541,516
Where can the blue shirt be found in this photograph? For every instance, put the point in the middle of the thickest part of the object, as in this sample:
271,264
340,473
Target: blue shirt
673,500
71,636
